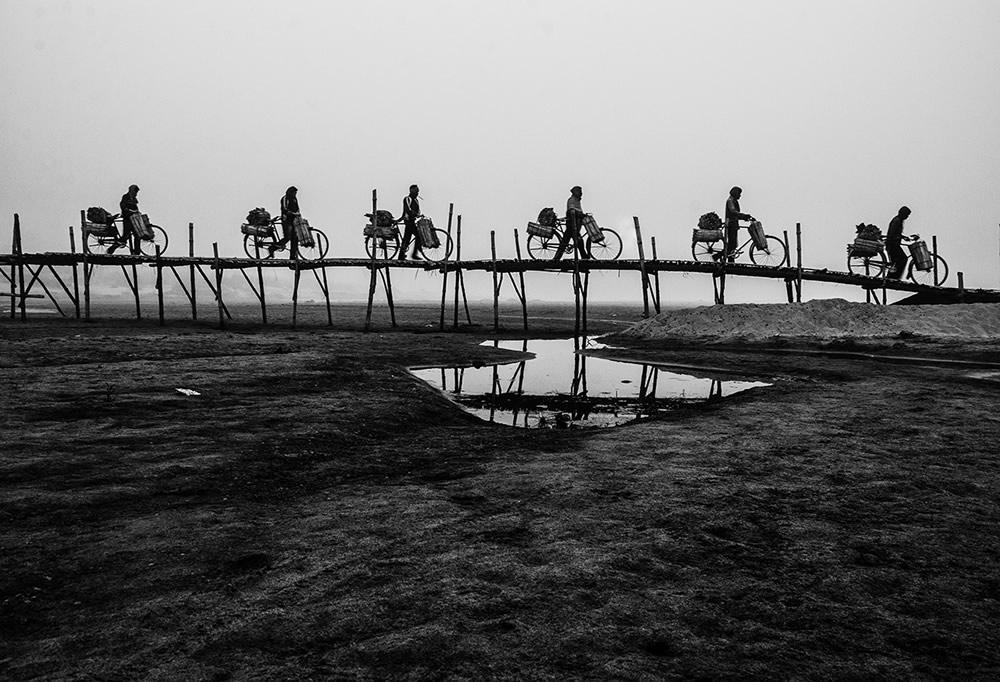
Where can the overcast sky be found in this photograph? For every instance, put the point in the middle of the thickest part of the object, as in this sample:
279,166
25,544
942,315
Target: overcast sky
826,113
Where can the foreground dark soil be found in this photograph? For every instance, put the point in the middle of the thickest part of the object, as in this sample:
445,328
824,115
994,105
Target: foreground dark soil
318,513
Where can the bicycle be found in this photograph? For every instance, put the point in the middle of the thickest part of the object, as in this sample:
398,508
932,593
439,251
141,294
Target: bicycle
923,267
264,238
385,240
105,238
764,249
601,243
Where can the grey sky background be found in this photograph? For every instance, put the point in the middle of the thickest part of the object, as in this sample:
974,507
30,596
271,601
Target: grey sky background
826,113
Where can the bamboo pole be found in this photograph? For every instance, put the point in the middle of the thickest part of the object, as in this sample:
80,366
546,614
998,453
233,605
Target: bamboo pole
961,287
656,275
642,268
87,267
374,275
496,288
444,278
13,277
520,273
295,294
135,287
159,286
218,285
577,244
326,292
934,258
798,262
19,254
76,276
193,296
458,267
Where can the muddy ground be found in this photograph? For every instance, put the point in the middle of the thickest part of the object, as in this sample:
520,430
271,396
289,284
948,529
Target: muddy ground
317,513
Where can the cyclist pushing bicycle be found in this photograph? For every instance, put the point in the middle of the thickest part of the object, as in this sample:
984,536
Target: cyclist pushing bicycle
733,218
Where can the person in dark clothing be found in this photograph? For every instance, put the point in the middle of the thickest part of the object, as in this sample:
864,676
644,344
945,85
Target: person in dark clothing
574,221
733,218
289,212
893,243
129,206
411,211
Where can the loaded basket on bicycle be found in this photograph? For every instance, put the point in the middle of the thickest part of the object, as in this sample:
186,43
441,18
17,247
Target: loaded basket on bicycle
384,227
258,223
101,223
868,242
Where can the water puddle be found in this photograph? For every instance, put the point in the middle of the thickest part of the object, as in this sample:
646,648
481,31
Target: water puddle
563,388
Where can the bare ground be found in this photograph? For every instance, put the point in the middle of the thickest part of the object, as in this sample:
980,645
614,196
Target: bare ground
318,513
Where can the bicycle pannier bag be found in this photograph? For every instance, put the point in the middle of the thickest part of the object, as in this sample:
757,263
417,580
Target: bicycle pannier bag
593,231
258,217
381,231
256,230
428,237
921,255
865,247
706,235
303,233
543,231
547,217
710,221
140,226
757,234
96,214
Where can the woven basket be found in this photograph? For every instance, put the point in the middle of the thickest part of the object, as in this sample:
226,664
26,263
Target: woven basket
865,247
543,231
256,230
706,235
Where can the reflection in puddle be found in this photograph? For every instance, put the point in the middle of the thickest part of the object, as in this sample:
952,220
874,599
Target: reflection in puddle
561,388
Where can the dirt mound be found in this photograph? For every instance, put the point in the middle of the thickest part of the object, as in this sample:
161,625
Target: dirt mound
824,319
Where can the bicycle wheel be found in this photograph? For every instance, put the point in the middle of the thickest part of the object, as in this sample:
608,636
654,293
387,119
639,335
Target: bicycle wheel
96,244
773,256
607,249
927,276
707,252
869,266
442,251
147,247
254,247
543,248
319,248
385,248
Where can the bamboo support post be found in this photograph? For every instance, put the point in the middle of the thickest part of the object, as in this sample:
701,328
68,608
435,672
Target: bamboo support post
798,262
961,287
520,273
576,285
295,294
87,267
374,275
193,294
218,285
458,268
159,286
76,275
496,286
656,276
642,268
326,293
19,254
934,258
444,277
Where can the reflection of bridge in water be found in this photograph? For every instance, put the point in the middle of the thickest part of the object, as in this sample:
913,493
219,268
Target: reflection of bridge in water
549,391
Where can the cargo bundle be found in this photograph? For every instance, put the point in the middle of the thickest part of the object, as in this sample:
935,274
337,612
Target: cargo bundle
428,237
710,221
256,230
543,231
303,234
141,226
258,217
593,231
547,217
757,234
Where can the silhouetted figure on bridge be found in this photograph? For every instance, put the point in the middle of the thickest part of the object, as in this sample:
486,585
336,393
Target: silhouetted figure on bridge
574,221
733,218
893,243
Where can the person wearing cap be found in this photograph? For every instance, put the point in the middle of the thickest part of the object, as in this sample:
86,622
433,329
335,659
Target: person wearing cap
411,211
574,221
129,206
893,243
733,218
289,212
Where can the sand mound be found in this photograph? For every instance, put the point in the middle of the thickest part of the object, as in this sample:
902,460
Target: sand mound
825,319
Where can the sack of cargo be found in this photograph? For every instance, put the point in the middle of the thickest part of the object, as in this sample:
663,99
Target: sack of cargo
428,237
380,231
547,217
710,221
100,229
921,255
757,234
303,234
706,235
258,217
256,230
96,214
865,247
543,231
384,218
868,232
593,231
140,226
